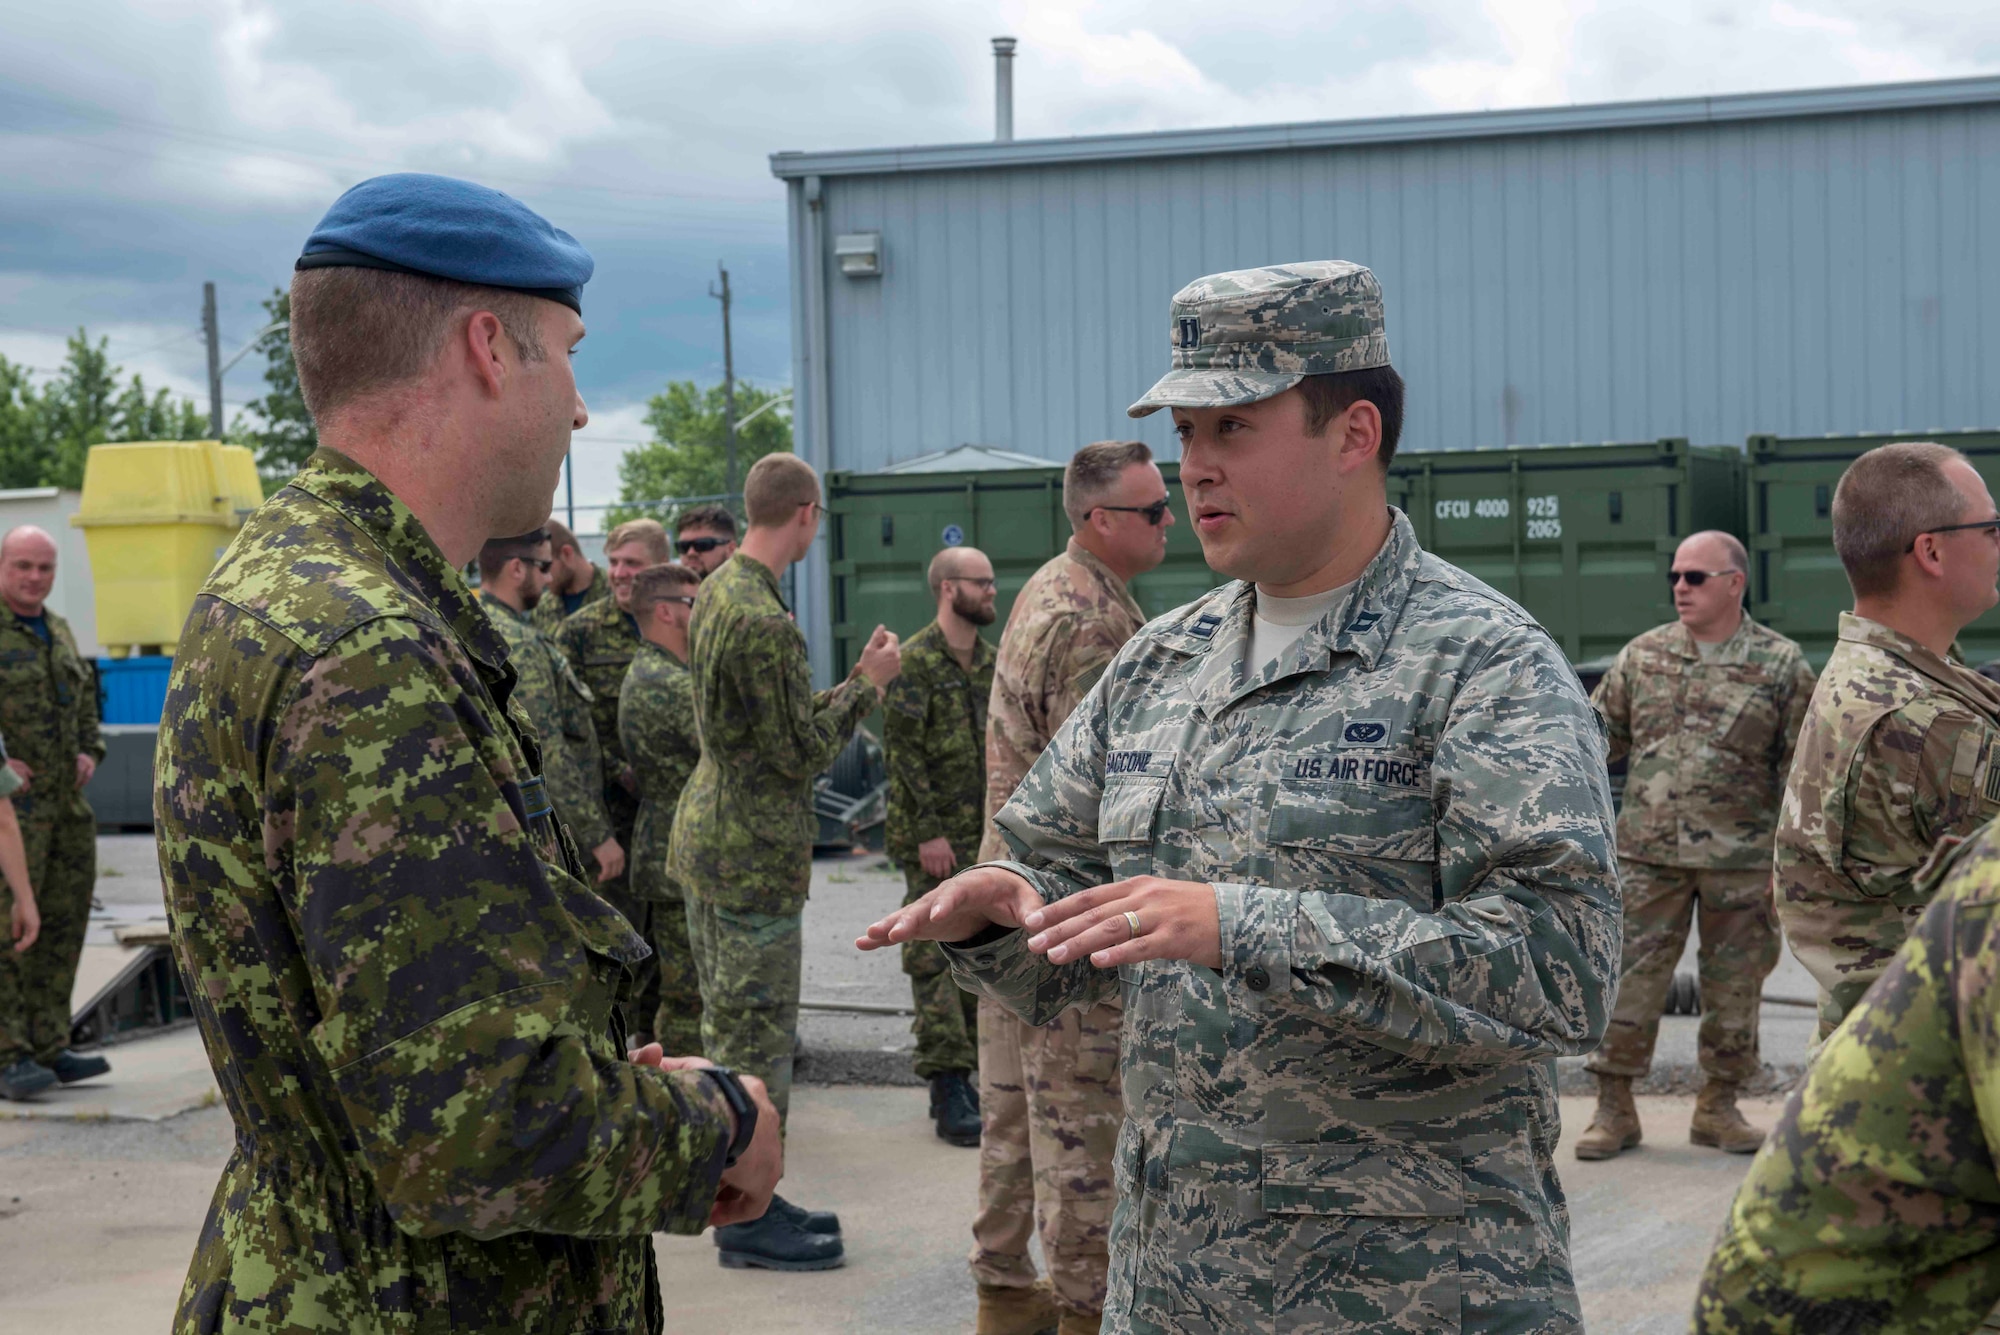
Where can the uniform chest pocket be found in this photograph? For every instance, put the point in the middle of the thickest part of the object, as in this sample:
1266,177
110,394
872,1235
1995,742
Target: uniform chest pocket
1356,840
1746,716
1126,816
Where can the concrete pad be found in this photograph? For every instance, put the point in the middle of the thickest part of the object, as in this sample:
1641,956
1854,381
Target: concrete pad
151,1079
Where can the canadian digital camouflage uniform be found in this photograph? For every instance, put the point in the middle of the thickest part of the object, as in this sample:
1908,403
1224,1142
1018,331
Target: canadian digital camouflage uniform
1406,818
1708,741
1875,1204
600,641
1048,1094
743,833
403,984
14,1044
558,704
48,714
554,608
934,744
1897,751
656,723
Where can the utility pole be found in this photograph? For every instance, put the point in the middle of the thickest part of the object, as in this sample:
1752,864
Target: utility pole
728,375
213,334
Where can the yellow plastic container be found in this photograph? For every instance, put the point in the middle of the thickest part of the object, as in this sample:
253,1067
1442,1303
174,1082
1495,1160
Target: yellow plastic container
156,516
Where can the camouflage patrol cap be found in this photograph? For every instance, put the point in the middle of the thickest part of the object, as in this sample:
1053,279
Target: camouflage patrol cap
1243,336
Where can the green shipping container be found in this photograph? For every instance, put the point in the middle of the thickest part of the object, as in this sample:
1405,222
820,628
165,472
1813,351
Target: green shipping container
885,527
1580,535
1796,583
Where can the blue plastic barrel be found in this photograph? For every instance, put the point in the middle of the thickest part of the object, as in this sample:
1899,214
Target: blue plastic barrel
135,689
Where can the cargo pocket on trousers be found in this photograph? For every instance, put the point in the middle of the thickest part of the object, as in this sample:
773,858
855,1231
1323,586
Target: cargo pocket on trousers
1362,1233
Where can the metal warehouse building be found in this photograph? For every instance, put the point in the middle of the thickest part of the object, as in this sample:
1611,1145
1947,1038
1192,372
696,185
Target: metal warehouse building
1794,263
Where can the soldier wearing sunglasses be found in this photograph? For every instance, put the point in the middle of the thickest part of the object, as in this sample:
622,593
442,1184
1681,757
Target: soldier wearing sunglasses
704,538
1898,751
1706,710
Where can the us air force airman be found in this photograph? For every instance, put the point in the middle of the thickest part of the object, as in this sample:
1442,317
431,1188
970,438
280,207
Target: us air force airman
401,974
1341,832
1707,709
1899,744
934,747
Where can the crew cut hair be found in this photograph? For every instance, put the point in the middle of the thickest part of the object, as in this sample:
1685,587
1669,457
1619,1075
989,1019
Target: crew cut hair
946,565
646,531
665,580
357,332
1328,396
1093,471
712,517
560,536
1885,499
494,556
776,486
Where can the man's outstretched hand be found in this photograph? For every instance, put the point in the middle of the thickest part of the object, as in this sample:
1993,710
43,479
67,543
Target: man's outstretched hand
965,905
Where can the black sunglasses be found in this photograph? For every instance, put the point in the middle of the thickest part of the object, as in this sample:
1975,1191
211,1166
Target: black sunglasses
688,545
1154,513
1990,525
540,563
1695,578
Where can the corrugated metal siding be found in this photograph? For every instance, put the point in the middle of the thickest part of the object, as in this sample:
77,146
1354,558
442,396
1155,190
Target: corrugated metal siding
1793,276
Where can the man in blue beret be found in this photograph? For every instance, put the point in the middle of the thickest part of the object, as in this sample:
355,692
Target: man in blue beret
403,979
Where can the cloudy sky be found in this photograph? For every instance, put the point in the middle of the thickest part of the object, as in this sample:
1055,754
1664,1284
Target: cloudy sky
147,147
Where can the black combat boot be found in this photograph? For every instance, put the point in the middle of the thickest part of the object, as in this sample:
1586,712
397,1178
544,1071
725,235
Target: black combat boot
812,1221
71,1067
25,1079
774,1242
955,1108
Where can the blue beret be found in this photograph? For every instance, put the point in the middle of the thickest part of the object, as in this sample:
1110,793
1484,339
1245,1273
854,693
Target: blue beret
410,222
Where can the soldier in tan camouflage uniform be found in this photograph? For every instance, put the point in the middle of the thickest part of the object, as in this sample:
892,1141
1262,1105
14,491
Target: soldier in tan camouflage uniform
1707,709
601,641
1049,1095
574,582
1340,833
656,721
513,578
934,744
1898,749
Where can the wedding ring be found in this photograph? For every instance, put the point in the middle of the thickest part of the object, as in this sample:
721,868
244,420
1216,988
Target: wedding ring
1132,921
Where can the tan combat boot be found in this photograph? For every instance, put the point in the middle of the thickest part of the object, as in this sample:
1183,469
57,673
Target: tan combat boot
1615,1127
1718,1122
1076,1323
1009,1309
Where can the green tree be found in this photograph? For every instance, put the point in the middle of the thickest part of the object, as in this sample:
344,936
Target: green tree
20,428
688,455
283,435
45,435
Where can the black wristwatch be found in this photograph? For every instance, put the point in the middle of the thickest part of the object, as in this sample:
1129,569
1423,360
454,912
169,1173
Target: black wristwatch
740,1104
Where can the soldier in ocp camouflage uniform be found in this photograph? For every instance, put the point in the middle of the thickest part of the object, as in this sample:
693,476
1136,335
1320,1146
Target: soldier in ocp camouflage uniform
934,744
1708,708
741,848
48,714
656,723
404,984
1901,743
1874,1208
511,587
1357,894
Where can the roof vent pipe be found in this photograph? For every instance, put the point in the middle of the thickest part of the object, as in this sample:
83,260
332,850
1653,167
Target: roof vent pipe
1003,90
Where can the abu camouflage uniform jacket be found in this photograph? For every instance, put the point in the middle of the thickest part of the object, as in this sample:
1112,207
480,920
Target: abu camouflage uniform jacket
553,609
657,726
48,714
1898,751
1068,622
1709,743
404,986
1874,1206
934,744
1407,823
600,641
558,704
743,833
